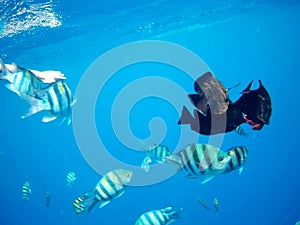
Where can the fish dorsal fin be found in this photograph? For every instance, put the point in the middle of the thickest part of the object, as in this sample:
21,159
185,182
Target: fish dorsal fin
228,89
247,89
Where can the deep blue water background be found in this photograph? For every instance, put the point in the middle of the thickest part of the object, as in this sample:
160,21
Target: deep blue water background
239,41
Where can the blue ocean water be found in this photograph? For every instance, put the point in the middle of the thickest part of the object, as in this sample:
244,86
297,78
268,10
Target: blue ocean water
239,41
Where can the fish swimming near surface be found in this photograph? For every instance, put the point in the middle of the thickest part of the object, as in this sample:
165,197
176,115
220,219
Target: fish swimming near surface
201,161
216,205
71,177
48,198
238,156
157,153
20,80
26,191
108,188
159,217
56,99
204,204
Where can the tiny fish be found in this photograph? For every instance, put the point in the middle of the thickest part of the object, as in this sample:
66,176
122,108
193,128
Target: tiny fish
156,152
71,177
47,198
26,191
159,217
216,205
204,204
239,130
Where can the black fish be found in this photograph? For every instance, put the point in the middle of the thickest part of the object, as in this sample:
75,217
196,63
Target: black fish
211,95
256,105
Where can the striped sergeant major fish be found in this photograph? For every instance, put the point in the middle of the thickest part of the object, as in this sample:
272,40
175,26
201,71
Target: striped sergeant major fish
216,205
26,191
20,81
71,177
57,100
201,161
204,204
47,198
159,217
156,152
109,187
238,156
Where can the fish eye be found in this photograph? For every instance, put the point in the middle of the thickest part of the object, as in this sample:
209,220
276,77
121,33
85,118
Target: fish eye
221,158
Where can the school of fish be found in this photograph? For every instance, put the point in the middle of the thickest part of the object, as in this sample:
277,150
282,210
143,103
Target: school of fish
47,91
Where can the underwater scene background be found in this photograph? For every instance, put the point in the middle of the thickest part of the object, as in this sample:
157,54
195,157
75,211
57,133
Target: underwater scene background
239,41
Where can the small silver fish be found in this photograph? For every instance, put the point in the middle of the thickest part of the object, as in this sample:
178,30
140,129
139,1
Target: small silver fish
159,217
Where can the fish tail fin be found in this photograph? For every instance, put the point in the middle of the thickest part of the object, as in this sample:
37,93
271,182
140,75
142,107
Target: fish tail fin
90,200
3,70
36,105
174,160
145,164
186,117
176,214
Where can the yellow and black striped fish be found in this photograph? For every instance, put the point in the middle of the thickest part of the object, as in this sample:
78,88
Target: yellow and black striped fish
216,205
157,152
71,177
57,100
26,191
204,204
159,217
109,187
47,198
20,80
238,156
201,160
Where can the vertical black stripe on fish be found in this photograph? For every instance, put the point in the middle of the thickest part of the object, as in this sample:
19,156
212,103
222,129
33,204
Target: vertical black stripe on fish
59,97
197,155
148,219
105,191
50,100
231,162
188,160
68,96
158,217
116,175
238,157
207,158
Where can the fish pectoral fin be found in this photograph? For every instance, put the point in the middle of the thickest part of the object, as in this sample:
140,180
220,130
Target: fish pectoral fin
11,87
102,204
241,170
207,179
48,118
145,164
